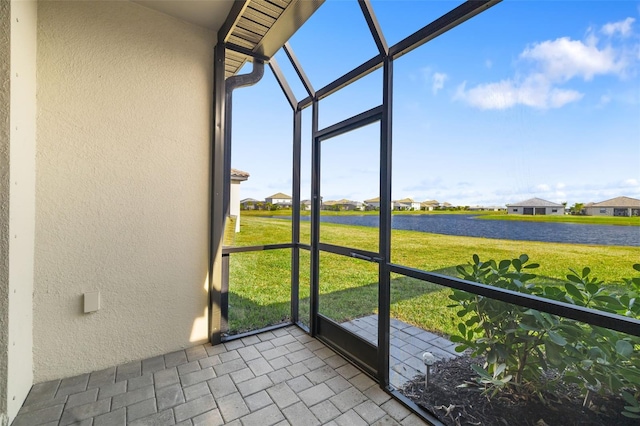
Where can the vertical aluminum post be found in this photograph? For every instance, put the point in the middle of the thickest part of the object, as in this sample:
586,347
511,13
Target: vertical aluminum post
315,223
384,289
217,193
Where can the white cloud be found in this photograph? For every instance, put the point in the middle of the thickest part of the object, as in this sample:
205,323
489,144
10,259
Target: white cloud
534,91
543,187
438,81
605,99
563,59
622,27
545,67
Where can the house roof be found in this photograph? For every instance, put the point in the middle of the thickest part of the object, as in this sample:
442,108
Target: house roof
618,202
343,201
249,200
239,175
373,200
279,196
430,203
535,202
405,200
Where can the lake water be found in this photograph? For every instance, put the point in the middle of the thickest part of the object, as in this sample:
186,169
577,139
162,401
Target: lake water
470,225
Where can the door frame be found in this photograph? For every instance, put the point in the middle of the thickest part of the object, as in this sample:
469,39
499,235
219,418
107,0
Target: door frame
360,351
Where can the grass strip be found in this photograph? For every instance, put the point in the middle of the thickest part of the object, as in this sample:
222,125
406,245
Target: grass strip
260,281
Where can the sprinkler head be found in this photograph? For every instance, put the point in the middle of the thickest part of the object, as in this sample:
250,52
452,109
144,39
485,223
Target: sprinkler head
428,358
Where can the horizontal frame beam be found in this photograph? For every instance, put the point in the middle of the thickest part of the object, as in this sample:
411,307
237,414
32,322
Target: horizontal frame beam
567,310
352,123
350,252
247,52
258,331
441,25
230,250
360,71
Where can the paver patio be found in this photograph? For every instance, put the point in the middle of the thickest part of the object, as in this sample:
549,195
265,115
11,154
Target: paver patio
282,377
408,343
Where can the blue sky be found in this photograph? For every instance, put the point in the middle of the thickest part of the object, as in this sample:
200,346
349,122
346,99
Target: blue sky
528,99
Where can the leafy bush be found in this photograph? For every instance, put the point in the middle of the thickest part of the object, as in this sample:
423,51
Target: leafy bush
520,344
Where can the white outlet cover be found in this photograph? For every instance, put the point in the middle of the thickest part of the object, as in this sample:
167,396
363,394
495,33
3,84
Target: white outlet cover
91,301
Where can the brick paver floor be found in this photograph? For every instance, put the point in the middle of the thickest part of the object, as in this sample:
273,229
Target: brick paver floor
281,377
408,343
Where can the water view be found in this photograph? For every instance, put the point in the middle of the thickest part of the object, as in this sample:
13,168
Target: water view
472,226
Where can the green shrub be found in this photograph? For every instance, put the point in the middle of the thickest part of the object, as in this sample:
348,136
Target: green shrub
520,344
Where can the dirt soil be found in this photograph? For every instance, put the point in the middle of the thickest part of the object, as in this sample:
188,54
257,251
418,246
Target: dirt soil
457,406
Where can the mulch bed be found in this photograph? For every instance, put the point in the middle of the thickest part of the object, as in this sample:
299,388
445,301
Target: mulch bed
457,406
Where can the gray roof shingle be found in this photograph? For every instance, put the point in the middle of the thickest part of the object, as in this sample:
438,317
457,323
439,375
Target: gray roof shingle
535,202
623,202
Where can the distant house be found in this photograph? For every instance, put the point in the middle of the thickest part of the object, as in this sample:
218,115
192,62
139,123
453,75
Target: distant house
372,203
535,206
405,204
305,205
249,204
486,208
429,205
279,198
619,206
343,204
237,176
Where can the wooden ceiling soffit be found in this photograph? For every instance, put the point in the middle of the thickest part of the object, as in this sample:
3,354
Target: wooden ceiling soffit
262,27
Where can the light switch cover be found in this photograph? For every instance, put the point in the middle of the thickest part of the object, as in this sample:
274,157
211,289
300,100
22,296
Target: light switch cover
91,301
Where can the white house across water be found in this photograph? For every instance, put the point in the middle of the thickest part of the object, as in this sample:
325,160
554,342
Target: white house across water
535,206
619,206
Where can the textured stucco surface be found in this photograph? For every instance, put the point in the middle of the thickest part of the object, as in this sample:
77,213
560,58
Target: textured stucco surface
124,109
5,93
22,201
17,173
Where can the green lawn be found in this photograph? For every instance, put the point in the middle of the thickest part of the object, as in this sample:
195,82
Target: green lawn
586,220
260,281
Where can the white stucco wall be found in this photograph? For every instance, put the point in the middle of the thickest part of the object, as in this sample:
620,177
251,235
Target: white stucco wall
548,210
278,200
559,211
23,199
5,152
234,203
17,152
599,211
124,109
